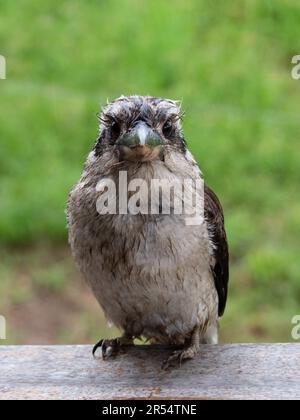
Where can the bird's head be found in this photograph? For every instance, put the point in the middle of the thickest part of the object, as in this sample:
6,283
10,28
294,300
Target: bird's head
140,128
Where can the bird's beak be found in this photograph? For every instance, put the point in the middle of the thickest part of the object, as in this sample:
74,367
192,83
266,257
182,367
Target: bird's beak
140,135
140,143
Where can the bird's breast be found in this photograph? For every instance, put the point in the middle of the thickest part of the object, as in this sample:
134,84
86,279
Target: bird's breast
153,276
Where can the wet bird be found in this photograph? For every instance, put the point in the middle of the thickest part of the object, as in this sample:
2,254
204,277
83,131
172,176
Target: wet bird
154,275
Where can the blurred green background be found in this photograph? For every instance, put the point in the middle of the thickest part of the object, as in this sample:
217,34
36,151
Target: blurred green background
230,64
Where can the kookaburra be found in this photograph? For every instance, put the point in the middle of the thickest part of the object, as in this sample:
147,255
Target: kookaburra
154,275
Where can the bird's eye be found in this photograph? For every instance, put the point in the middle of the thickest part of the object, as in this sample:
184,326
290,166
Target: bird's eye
168,128
115,129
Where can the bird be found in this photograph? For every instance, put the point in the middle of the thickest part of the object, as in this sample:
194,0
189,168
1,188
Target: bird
154,275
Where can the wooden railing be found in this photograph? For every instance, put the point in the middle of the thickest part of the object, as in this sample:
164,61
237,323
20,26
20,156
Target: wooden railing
239,371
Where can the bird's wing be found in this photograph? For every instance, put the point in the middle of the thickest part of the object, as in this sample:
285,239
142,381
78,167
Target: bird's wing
215,220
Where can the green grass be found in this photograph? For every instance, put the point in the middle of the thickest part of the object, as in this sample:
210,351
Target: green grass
230,64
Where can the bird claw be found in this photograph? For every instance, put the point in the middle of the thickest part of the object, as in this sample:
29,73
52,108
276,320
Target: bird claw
179,356
96,347
173,361
109,348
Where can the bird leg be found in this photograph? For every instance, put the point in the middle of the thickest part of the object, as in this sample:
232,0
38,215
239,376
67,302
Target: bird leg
111,347
178,356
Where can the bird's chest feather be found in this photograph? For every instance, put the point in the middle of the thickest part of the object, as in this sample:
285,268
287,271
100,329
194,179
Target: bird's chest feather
150,274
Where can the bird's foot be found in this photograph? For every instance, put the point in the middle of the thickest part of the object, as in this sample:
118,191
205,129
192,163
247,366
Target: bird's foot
111,347
178,356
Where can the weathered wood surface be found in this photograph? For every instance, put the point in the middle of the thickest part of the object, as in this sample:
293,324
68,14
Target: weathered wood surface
220,372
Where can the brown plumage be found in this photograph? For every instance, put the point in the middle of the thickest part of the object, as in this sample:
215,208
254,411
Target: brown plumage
153,275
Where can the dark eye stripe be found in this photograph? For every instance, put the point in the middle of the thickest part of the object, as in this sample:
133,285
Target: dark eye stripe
115,129
168,128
